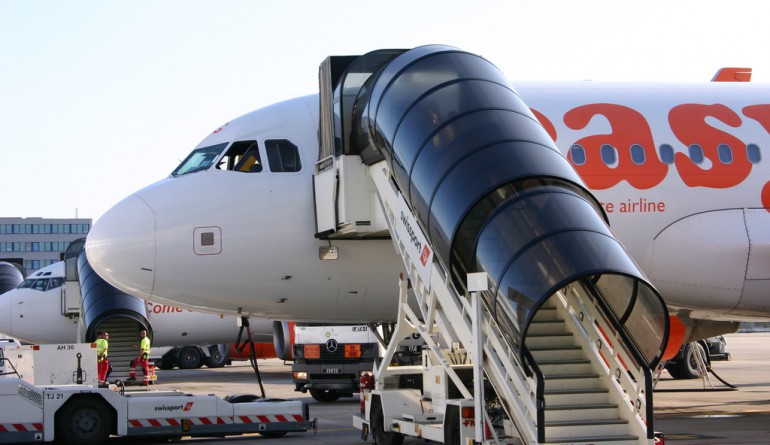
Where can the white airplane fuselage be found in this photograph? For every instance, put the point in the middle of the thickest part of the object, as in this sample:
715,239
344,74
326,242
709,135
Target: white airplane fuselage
700,230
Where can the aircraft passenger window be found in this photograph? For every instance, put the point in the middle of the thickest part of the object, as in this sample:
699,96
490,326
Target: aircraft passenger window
199,159
666,154
725,153
282,156
609,156
242,156
696,153
578,154
55,282
41,284
752,150
637,154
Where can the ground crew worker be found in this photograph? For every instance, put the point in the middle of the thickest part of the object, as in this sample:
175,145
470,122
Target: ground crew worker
142,359
102,364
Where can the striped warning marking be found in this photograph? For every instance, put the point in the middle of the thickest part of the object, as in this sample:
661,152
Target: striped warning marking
269,419
20,427
144,423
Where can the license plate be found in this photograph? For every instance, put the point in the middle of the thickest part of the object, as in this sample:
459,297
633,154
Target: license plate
331,371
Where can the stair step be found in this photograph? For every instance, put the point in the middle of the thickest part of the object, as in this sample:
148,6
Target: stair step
543,327
575,413
623,439
547,313
551,341
559,349
560,361
562,367
573,376
572,381
588,422
586,428
543,353
587,396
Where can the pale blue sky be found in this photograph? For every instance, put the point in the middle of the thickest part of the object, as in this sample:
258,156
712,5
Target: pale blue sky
100,98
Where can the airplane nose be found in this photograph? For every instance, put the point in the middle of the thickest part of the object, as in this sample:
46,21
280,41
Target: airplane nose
121,246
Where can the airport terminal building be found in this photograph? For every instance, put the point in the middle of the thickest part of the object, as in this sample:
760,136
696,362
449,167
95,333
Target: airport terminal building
39,242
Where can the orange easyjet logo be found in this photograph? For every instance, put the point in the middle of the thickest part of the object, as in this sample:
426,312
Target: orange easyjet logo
690,125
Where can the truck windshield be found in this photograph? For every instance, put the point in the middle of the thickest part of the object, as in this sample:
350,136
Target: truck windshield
200,159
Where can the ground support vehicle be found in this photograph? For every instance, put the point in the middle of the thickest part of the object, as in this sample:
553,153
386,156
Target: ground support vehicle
78,414
329,360
85,414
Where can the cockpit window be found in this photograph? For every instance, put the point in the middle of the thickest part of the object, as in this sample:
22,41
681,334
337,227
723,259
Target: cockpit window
282,155
242,156
55,282
200,159
41,284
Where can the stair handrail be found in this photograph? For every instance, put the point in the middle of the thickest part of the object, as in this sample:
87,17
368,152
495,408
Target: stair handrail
441,291
530,364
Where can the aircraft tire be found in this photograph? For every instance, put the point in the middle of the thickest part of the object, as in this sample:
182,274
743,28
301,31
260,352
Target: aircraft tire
189,358
215,359
686,368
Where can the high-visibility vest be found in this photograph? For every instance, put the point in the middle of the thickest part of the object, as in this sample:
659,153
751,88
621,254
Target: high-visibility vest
144,345
101,349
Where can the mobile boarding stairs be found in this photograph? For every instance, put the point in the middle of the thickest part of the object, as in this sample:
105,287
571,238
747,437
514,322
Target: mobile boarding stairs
539,327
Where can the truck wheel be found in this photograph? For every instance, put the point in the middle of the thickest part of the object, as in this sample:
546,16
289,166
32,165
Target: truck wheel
84,421
452,426
272,434
168,360
215,359
164,364
189,358
687,367
325,395
241,398
380,436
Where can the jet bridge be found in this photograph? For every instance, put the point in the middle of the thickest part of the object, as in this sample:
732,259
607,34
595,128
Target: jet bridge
565,327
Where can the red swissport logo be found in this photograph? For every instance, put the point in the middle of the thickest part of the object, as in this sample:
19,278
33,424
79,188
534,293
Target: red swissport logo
424,255
188,406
